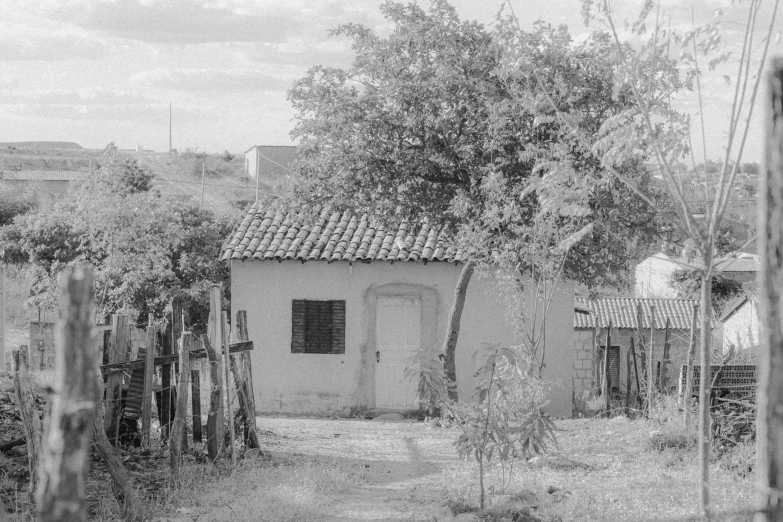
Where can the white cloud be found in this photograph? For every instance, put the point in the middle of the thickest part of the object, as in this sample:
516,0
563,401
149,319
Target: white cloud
210,80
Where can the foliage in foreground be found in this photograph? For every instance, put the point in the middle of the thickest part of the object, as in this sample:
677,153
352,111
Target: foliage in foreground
504,421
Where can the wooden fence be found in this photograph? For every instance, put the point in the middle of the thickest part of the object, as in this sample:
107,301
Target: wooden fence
118,391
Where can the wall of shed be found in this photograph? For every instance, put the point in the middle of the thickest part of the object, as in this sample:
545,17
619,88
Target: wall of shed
742,328
320,383
652,277
586,375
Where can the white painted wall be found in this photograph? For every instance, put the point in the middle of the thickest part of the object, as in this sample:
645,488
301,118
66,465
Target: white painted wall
742,328
316,383
652,277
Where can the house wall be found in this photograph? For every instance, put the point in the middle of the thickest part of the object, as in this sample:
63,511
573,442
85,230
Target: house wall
652,277
742,328
251,158
586,374
320,383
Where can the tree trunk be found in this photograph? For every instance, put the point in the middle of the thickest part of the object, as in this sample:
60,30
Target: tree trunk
452,331
606,389
62,495
651,363
28,411
770,417
704,390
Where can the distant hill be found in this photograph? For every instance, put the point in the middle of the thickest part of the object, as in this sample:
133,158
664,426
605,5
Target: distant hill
41,144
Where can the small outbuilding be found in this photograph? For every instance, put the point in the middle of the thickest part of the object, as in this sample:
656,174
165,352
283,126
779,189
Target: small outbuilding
590,340
339,305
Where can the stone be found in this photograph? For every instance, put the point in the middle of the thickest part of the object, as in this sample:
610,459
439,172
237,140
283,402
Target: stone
389,417
538,462
466,517
561,462
528,498
253,453
444,514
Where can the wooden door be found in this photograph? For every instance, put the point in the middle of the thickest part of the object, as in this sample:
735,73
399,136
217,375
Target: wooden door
397,339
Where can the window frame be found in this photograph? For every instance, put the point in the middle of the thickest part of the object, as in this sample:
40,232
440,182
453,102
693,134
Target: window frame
318,326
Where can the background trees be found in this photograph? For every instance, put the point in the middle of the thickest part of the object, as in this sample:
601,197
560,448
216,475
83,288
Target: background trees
146,248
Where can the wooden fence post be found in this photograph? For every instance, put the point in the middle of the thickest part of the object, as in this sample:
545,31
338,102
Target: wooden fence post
687,399
215,427
62,495
636,373
121,483
663,379
28,411
118,353
607,387
226,366
651,362
178,426
149,370
244,380
628,379
770,416
195,388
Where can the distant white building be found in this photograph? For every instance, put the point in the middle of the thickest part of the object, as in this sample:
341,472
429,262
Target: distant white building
652,275
269,163
741,322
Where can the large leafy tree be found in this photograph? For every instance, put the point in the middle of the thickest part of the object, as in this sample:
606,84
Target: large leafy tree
443,118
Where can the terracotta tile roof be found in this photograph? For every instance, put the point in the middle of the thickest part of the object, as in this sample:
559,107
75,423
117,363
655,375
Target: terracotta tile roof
622,312
266,234
43,175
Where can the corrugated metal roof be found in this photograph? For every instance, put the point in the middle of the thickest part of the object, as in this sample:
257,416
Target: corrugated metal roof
44,175
622,312
266,234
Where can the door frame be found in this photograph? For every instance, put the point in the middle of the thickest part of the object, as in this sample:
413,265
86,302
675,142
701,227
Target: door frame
430,306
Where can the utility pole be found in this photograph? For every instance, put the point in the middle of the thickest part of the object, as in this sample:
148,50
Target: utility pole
202,181
258,170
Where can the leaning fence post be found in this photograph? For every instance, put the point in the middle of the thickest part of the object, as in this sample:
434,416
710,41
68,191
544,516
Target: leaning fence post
65,457
226,366
215,416
149,370
770,417
28,410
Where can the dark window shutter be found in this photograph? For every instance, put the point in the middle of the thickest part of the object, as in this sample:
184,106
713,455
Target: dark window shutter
298,323
338,327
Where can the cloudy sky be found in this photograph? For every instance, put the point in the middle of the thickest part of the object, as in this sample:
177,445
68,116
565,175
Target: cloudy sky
94,71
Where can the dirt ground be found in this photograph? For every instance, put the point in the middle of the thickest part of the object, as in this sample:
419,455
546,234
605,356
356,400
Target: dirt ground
352,470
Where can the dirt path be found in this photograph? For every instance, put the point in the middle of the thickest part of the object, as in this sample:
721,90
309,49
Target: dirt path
397,465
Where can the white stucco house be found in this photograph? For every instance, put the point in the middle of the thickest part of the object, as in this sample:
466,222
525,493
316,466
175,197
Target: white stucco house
337,306
740,322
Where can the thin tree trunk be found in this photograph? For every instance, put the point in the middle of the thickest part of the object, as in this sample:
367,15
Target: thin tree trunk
62,495
452,331
770,417
688,398
28,411
704,390
663,379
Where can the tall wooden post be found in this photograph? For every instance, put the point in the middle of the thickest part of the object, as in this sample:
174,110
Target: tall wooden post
688,395
215,426
2,318
229,409
178,431
119,352
149,370
651,362
607,388
628,379
636,372
663,379
770,368
28,411
65,456
195,388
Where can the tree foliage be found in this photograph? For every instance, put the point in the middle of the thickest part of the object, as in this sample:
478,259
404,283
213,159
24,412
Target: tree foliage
440,119
146,248
687,282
